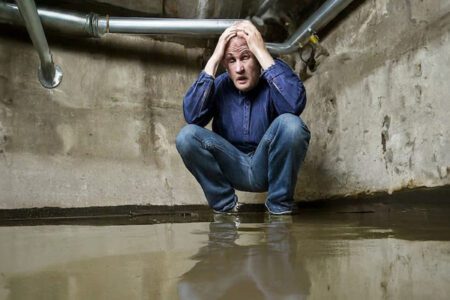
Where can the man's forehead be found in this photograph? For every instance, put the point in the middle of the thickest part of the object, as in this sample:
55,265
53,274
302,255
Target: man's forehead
236,44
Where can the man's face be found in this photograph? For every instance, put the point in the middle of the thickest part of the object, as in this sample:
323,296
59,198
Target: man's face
242,66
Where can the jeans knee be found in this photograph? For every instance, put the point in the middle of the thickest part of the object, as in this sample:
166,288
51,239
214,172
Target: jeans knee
185,140
293,127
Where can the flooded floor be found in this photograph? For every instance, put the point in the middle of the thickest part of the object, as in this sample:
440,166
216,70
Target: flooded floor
392,253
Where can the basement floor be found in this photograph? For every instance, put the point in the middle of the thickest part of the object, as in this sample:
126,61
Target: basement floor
390,250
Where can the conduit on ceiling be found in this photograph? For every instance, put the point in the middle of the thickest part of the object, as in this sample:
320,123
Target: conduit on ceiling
93,25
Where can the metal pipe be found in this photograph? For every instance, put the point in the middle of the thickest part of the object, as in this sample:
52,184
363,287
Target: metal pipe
166,25
327,12
49,75
264,7
94,25
56,20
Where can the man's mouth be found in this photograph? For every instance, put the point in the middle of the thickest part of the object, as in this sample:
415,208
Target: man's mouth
241,79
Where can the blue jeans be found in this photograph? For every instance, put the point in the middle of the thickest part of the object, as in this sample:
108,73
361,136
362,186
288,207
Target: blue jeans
220,167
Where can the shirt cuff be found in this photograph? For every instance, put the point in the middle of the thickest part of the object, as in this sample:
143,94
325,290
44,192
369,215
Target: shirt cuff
274,70
205,76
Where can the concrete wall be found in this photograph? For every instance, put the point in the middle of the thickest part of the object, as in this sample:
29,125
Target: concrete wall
378,111
379,105
106,135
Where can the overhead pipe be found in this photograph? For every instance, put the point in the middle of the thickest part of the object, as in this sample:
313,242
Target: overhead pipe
93,25
327,12
50,75
56,20
96,26
165,25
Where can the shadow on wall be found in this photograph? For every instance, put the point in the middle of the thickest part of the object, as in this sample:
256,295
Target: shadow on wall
123,47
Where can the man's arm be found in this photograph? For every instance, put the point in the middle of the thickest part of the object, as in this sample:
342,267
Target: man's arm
198,101
215,60
255,43
286,90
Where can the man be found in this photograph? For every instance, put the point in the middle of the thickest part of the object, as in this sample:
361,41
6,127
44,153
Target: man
258,142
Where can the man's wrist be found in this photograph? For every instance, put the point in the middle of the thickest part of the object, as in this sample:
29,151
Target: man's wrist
265,59
212,65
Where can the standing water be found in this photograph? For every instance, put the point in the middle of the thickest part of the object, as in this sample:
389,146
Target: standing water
400,253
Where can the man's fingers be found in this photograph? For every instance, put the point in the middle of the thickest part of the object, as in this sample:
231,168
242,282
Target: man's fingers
230,36
231,28
247,25
242,33
251,30
226,34
243,29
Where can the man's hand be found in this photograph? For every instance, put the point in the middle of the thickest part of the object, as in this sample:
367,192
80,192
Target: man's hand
255,43
217,56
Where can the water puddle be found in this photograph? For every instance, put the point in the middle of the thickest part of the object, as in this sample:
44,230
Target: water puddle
307,256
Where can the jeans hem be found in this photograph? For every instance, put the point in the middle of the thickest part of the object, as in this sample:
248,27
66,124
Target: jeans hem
284,212
231,210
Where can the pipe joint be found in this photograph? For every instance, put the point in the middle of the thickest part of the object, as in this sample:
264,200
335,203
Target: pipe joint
49,74
50,79
94,26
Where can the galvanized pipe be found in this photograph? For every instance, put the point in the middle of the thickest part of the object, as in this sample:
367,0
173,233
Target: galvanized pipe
72,23
327,12
94,25
49,74
166,25
264,7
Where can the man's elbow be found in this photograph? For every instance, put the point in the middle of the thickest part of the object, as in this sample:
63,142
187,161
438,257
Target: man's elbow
301,102
191,119
188,117
195,120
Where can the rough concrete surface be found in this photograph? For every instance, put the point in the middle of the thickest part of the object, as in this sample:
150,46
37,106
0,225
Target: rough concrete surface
378,111
106,135
378,105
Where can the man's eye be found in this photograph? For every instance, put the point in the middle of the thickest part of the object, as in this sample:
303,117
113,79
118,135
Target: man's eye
245,57
231,61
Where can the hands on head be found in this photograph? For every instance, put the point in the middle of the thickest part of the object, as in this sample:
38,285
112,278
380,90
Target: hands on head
246,30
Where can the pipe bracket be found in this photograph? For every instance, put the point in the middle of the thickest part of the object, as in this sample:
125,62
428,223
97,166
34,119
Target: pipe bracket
51,83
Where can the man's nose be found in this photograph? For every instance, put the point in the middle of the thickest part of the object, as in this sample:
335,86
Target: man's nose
239,67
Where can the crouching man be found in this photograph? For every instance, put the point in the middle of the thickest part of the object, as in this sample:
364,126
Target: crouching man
258,141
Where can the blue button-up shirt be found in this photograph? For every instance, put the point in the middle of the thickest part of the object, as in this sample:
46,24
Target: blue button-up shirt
242,118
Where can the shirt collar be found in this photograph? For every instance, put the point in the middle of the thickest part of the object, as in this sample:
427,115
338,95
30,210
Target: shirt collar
249,94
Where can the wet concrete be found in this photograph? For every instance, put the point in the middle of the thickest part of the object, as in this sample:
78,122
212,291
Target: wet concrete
400,252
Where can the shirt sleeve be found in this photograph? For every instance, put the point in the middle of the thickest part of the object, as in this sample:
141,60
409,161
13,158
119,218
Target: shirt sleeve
287,92
198,102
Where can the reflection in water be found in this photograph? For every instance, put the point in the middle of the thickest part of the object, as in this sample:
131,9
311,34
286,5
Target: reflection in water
400,252
229,268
